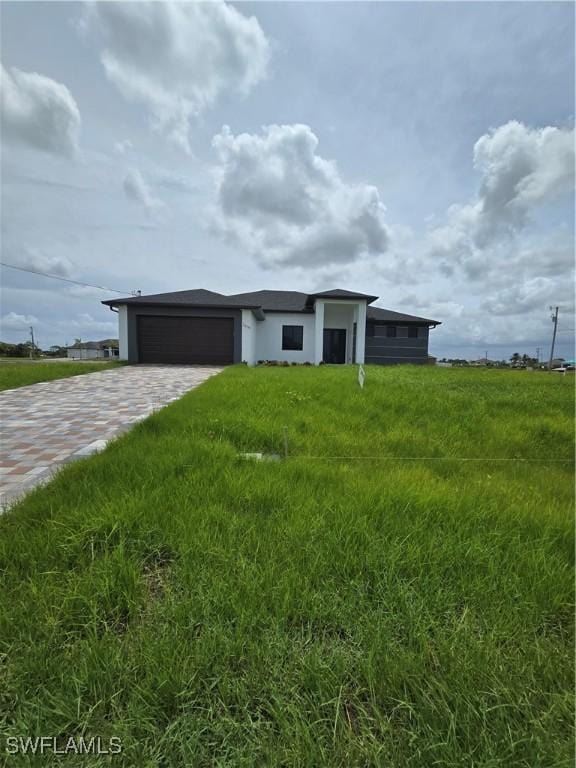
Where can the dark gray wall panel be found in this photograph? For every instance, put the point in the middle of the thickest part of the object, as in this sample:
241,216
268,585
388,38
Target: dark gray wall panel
396,360
384,350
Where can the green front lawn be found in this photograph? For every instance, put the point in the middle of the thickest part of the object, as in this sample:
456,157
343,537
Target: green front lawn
373,600
20,374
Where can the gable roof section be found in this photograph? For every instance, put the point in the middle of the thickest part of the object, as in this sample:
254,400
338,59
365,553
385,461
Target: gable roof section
276,301
377,314
269,301
339,293
198,297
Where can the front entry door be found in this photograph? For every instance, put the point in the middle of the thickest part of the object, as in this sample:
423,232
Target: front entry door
334,345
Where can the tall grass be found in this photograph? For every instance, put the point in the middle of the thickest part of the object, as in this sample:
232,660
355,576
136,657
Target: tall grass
14,374
315,611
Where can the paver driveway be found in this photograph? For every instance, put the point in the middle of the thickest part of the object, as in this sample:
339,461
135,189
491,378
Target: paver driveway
45,425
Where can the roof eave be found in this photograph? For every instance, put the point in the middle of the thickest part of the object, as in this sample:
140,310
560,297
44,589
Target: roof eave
178,304
409,320
313,296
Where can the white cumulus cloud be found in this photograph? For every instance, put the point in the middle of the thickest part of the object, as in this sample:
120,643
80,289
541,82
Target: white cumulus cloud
123,146
178,58
531,295
520,169
88,324
137,190
38,112
14,321
521,166
38,260
286,205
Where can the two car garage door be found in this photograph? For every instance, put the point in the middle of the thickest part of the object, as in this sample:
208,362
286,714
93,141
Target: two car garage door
191,340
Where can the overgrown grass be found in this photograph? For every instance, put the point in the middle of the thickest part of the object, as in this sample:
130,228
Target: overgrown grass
319,611
16,374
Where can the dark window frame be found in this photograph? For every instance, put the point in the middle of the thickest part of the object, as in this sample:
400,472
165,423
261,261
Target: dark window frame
370,330
295,344
391,332
413,332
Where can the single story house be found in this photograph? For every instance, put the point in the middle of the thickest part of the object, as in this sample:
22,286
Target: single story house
94,350
200,326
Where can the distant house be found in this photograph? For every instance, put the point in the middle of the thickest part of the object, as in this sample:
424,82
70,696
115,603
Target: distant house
200,326
94,350
558,362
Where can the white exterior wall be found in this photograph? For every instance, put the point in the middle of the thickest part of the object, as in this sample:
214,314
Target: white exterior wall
249,324
123,331
262,340
268,338
85,354
319,331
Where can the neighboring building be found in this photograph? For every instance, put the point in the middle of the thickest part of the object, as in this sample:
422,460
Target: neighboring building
200,326
483,362
558,362
94,350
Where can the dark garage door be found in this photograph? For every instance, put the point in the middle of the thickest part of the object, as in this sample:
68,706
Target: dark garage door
185,340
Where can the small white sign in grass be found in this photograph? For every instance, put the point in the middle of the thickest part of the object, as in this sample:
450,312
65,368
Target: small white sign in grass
261,456
361,376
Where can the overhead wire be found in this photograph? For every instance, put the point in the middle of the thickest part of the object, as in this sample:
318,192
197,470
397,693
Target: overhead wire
66,279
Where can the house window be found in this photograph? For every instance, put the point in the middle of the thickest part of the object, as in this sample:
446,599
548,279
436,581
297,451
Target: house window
391,331
412,332
292,336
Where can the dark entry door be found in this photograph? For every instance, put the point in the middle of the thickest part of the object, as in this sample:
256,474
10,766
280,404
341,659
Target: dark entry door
192,340
334,345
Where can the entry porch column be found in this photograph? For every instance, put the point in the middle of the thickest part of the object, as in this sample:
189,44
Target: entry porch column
319,332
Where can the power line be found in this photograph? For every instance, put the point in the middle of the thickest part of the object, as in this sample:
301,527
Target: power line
66,279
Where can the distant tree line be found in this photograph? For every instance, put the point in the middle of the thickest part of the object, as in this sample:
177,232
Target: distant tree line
523,361
514,361
23,350
19,350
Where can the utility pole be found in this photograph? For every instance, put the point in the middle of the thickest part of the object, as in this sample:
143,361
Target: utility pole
555,321
538,355
32,337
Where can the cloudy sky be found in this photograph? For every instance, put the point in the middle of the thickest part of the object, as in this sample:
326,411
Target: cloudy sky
423,152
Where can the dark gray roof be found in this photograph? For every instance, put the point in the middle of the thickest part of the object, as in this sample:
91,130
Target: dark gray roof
268,301
95,344
388,316
276,301
198,297
339,293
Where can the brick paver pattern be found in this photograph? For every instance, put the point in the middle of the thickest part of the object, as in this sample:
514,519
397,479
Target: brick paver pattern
45,425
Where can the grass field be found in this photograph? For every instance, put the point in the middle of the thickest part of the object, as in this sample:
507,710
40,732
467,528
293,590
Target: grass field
17,374
316,611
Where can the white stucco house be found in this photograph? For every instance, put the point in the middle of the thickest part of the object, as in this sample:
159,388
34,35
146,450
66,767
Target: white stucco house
94,350
204,327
